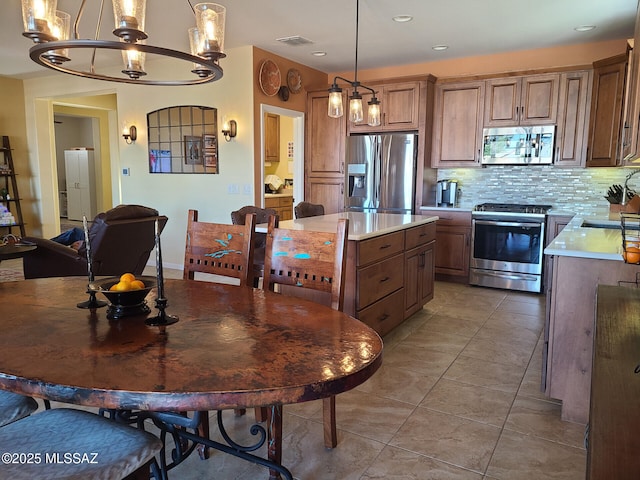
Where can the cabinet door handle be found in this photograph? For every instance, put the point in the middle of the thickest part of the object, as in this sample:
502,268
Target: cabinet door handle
423,260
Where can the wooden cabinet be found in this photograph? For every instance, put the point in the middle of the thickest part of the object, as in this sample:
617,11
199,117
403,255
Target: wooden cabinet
399,104
453,243
390,277
418,267
527,100
606,111
555,224
9,196
324,154
271,137
573,115
81,192
282,205
458,117
631,120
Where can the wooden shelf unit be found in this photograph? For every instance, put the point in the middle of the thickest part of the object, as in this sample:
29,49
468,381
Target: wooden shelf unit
10,185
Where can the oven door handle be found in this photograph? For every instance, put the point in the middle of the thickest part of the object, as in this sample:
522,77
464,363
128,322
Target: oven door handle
507,224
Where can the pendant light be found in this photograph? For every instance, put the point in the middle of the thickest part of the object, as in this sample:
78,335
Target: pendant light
49,29
335,108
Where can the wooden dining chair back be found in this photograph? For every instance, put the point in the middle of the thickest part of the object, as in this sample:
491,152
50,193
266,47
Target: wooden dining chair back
304,260
306,209
297,262
220,249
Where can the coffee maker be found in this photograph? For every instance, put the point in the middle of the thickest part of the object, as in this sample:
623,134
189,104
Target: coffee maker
446,193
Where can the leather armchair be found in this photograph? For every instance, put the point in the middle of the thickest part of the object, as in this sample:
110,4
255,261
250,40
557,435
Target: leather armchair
121,241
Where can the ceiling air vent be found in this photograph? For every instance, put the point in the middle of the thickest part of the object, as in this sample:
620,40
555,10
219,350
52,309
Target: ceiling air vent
295,40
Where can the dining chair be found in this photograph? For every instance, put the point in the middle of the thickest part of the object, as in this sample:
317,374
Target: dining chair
76,444
14,407
307,209
220,249
262,216
312,266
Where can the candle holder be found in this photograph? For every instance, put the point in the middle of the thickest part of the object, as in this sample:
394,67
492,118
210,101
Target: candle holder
92,302
162,318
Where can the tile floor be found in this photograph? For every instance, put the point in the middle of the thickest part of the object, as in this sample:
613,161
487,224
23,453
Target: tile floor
457,398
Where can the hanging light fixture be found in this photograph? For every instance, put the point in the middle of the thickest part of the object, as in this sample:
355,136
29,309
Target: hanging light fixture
50,31
355,100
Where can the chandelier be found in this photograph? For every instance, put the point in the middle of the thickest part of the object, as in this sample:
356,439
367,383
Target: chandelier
50,30
355,100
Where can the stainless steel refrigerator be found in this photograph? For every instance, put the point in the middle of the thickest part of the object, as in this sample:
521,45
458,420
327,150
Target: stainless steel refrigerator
381,173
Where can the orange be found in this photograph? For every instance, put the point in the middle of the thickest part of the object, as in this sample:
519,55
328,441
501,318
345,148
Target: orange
631,255
121,287
127,277
137,285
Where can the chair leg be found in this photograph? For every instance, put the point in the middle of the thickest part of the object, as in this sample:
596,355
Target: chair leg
203,431
238,412
261,414
274,438
329,422
142,473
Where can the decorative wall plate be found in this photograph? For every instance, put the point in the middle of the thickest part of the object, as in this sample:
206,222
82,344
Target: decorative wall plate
269,78
294,80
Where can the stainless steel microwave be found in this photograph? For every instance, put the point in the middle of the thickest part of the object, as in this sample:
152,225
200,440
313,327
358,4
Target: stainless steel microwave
518,145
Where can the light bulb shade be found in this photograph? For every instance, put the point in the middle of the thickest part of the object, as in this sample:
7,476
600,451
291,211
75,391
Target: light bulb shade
133,62
60,31
38,17
196,43
210,20
373,114
355,108
335,103
129,19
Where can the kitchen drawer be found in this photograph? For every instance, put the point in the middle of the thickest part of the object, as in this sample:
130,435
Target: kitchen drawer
381,247
417,236
286,201
450,218
379,280
385,314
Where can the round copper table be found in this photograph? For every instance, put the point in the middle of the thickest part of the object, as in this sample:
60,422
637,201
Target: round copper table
9,251
233,347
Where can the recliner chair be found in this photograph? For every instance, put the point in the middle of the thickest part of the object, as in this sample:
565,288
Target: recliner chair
121,241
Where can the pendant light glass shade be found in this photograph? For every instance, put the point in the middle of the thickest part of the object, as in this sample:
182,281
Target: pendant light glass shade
129,18
38,17
210,19
335,103
133,62
60,31
373,115
355,108
196,43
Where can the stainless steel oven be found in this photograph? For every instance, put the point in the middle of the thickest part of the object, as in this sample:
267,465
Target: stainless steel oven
507,242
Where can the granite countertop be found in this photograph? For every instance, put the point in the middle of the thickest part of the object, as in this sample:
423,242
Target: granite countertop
285,193
589,236
361,225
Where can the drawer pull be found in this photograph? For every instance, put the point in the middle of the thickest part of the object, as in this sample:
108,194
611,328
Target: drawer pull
385,246
385,279
384,317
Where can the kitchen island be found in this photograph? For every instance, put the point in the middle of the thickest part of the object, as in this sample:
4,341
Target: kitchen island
390,263
587,253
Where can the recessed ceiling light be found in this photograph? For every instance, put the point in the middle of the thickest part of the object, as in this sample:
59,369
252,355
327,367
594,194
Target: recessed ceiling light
439,48
584,28
402,18
318,54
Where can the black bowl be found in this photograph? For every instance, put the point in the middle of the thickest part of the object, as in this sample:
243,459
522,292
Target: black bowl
130,298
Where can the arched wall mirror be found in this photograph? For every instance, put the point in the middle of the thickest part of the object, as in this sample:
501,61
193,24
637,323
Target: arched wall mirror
183,139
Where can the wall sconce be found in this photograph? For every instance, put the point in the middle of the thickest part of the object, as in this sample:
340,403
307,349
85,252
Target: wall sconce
229,130
130,134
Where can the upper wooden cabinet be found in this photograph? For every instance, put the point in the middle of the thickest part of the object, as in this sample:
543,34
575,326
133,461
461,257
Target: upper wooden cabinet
631,125
457,131
609,77
325,137
399,104
527,100
271,137
573,115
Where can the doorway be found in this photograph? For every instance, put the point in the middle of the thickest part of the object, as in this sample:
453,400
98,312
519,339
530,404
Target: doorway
296,148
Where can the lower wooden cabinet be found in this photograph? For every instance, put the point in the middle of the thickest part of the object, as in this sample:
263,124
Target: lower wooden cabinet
453,242
282,205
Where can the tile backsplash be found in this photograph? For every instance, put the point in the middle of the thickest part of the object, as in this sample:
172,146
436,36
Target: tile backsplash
579,190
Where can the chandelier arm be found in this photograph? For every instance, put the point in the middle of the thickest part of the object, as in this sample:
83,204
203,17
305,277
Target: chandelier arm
76,22
93,55
38,50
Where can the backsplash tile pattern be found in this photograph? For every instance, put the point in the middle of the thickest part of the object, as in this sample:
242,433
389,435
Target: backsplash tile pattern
578,190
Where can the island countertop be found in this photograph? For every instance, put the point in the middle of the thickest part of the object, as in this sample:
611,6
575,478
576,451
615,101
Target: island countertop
589,236
361,225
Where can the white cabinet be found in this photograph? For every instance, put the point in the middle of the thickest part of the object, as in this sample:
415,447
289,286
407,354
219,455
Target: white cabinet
81,194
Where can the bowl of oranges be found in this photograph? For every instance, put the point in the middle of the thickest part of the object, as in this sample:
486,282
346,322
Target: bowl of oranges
126,294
